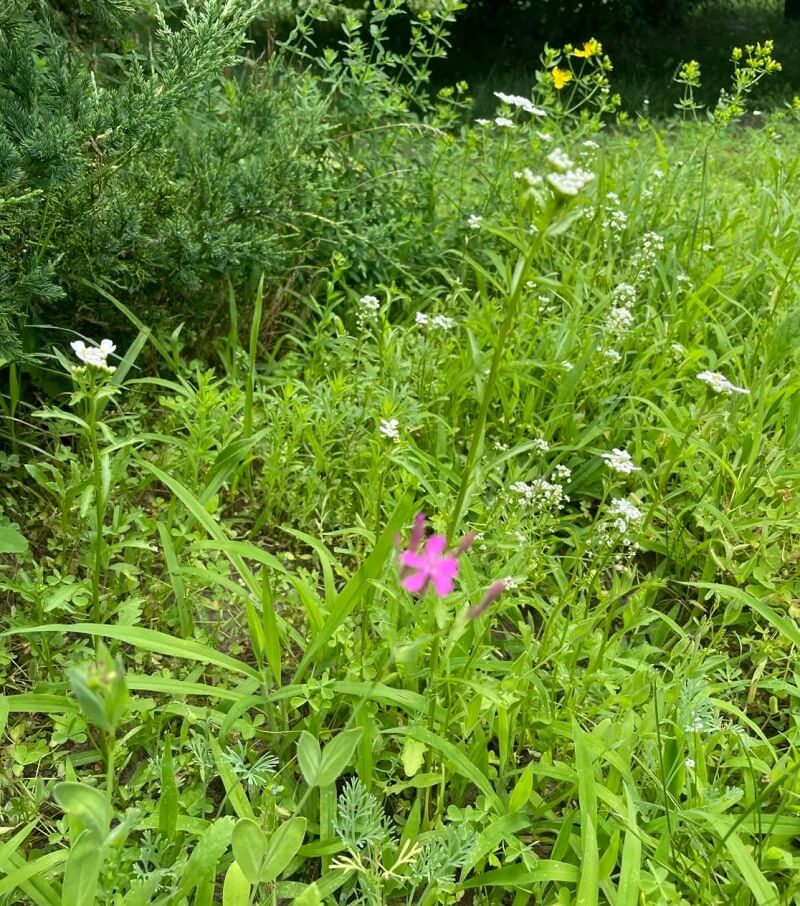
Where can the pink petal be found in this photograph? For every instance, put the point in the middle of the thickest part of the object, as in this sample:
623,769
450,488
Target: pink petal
443,584
436,544
415,582
410,558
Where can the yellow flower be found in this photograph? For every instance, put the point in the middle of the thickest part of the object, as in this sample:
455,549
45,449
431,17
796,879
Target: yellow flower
560,78
591,48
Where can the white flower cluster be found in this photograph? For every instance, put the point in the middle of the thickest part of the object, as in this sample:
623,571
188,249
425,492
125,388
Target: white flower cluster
719,383
516,100
624,294
542,494
560,160
619,320
368,308
504,122
567,178
615,220
625,515
438,322
647,256
619,529
474,222
620,461
540,445
390,428
95,356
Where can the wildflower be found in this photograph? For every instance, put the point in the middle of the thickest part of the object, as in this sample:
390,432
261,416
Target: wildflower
689,764
488,599
474,222
368,308
531,178
560,160
719,383
591,48
571,182
540,445
624,509
567,366
443,322
612,355
430,565
482,122
562,472
544,136
541,494
619,319
504,122
561,77
390,428
624,294
95,356
647,256
516,100
620,461
678,350
591,145
421,318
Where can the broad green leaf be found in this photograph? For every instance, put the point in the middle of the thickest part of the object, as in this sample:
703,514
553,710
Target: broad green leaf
337,754
518,876
631,867
589,883
249,848
457,760
236,888
148,640
282,848
12,541
233,787
309,897
85,803
210,848
27,875
413,755
522,790
168,801
309,757
79,887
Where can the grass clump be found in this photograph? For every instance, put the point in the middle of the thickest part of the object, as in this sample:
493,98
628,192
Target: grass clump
239,666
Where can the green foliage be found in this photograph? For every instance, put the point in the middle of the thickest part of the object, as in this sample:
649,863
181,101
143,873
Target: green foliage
215,683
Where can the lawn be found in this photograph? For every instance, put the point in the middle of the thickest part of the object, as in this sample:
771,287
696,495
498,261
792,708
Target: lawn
470,576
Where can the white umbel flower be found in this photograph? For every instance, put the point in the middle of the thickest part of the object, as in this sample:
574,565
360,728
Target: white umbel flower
95,356
390,428
620,461
719,383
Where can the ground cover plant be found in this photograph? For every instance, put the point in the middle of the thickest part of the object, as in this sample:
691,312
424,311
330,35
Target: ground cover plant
479,583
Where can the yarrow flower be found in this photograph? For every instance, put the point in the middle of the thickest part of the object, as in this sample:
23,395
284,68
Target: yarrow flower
571,182
390,427
430,563
560,160
719,383
516,100
504,122
474,222
368,308
620,461
95,356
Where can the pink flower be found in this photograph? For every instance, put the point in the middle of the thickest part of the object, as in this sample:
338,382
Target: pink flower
431,565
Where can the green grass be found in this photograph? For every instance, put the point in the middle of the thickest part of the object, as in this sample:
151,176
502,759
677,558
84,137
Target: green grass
216,688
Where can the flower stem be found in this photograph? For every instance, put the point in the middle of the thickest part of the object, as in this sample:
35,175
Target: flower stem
99,504
512,306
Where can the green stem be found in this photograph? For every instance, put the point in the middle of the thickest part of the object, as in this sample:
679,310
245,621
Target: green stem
99,507
111,748
517,285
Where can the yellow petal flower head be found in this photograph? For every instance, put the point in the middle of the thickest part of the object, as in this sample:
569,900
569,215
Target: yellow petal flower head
561,77
591,48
